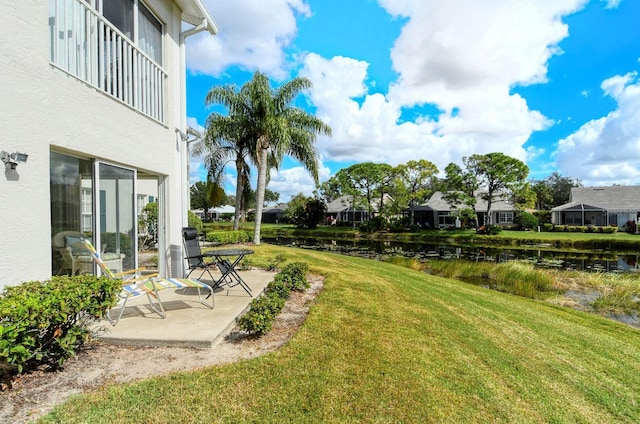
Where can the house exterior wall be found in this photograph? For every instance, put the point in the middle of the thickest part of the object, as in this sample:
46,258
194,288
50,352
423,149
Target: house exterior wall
45,109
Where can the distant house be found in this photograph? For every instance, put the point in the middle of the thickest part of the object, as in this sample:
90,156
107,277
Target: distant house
503,212
219,211
215,213
273,214
423,216
341,210
615,205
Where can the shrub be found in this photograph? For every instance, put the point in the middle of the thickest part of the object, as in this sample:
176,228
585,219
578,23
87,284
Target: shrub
526,221
399,225
274,264
377,223
547,227
630,227
46,322
263,310
279,287
305,212
490,230
295,274
544,217
194,221
229,237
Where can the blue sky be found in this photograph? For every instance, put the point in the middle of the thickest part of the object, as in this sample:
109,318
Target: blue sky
553,83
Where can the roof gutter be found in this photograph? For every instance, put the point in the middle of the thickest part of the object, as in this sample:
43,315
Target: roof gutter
184,153
191,31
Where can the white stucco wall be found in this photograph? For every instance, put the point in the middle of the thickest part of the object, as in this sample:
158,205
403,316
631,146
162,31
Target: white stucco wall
45,109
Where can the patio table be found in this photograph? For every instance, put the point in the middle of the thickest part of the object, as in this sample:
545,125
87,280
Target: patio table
227,260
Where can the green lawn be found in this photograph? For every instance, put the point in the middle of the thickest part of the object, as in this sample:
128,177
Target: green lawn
389,344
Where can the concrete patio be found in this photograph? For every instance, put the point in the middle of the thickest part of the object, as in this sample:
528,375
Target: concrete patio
188,323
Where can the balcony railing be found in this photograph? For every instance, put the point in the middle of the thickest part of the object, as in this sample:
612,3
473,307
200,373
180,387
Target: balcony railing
91,49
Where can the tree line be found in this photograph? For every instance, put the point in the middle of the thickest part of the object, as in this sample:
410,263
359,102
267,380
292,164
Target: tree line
386,190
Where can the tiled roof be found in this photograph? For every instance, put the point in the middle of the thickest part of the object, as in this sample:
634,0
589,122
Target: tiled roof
343,203
620,198
438,203
576,206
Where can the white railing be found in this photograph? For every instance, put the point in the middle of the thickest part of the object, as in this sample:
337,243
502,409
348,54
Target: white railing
91,49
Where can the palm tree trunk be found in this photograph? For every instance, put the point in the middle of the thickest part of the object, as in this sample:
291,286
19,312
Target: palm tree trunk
239,185
260,189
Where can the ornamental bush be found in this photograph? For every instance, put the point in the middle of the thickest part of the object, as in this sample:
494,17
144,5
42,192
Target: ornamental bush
490,230
305,212
229,237
47,322
526,220
263,310
295,275
375,224
194,221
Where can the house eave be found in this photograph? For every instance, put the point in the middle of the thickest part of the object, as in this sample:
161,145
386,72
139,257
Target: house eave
194,12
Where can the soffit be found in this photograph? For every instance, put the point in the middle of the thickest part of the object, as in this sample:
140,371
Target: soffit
194,11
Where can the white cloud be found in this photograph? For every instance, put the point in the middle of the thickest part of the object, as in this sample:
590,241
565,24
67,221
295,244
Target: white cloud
468,55
606,150
252,35
534,152
611,4
458,55
295,180
370,129
460,45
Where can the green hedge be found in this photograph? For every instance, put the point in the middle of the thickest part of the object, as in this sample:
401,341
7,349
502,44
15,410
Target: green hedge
264,309
580,229
46,322
229,237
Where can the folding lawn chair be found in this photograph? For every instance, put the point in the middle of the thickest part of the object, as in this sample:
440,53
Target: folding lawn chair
139,281
194,256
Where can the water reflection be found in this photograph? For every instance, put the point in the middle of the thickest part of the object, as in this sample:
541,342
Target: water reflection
582,261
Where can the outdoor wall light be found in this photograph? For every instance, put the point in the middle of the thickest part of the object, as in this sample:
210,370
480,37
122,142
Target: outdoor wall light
11,160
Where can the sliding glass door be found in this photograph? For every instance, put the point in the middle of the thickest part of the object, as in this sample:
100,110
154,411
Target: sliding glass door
116,204
96,200
71,188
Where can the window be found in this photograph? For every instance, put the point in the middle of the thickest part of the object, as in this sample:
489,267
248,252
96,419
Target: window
505,217
120,14
142,202
147,34
444,219
114,45
87,207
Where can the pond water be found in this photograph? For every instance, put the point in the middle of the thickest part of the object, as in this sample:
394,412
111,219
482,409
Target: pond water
574,260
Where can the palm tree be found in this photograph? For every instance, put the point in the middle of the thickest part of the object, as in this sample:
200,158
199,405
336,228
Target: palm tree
225,141
277,128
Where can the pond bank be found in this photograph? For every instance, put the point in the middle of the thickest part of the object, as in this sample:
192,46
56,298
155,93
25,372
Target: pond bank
621,242
610,288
